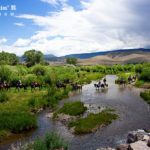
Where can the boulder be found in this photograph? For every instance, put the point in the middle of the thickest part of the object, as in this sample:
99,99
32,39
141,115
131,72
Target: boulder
132,137
140,136
124,147
140,145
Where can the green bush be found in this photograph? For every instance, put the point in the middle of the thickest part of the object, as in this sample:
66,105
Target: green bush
91,122
39,70
17,122
146,96
5,73
3,97
51,141
74,109
145,75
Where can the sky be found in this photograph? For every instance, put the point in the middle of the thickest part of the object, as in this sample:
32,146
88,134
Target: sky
63,27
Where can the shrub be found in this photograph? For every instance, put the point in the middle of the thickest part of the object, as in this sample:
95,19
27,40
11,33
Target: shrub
74,109
3,97
17,122
146,96
39,70
145,75
5,73
92,121
51,142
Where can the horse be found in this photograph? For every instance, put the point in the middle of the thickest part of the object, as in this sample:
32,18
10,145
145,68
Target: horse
134,77
6,86
20,86
100,86
75,86
34,85
130,80
61,85
121,82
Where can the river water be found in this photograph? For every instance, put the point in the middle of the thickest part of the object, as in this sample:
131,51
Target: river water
133,111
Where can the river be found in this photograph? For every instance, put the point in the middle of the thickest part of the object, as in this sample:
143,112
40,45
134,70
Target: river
133,111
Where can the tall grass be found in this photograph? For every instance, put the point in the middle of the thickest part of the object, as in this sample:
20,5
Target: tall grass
146,96
51,141
74,109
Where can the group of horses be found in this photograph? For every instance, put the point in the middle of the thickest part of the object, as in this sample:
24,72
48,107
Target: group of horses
103,85
18,86
33,86
124,82
74,86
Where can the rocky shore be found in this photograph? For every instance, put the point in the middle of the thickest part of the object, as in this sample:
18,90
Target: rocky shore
136,140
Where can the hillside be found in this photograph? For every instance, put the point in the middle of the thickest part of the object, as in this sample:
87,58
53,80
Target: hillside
117,58
89,55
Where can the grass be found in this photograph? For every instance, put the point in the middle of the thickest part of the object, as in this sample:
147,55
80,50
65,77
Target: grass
91,122
51,141
146,96
139,83
73,109
15,114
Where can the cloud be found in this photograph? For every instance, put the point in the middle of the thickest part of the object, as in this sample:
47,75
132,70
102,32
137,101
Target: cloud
100,25
3,40
54,2
19,24
21,42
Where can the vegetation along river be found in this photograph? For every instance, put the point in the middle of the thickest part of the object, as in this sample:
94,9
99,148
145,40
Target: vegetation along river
133,111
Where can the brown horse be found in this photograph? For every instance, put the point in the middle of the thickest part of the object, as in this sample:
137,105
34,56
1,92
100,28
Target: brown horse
61,85
34,85
121,82
6,86
76,87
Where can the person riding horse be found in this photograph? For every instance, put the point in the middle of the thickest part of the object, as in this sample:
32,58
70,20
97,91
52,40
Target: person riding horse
104,81
134,77
130,78
99,83
4,83
122,79
20,83
35,83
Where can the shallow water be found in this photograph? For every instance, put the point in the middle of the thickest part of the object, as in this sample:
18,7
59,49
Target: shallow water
134,113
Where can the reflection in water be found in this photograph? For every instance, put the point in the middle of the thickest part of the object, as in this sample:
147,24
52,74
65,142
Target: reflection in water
134,113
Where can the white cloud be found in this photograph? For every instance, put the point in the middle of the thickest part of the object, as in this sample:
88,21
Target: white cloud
54,2
18,24
100,25
21,42
3,40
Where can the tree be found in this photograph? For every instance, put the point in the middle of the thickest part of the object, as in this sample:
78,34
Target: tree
71,60
33,57
8,59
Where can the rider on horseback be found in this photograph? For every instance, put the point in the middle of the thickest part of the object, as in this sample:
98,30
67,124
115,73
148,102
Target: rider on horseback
104,81
4,83
20,82
99,83
122,79
35,83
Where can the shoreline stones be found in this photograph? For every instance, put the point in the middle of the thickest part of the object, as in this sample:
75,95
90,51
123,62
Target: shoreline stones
136,140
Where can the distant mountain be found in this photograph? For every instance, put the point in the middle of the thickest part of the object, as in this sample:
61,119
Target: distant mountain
121,57
49,56
89,55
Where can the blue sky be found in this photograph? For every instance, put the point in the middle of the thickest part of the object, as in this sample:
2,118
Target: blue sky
63,27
